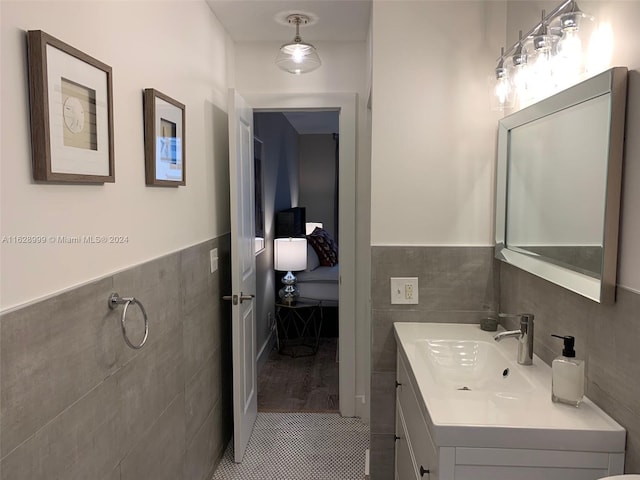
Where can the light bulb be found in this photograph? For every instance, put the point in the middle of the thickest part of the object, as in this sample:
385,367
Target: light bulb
542,81
520,81
297,55
570,45
502,90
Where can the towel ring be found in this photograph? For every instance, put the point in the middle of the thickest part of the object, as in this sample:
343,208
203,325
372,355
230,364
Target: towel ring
114,301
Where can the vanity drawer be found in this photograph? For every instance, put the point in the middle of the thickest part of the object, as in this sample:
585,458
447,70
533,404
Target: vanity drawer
421,444
405,466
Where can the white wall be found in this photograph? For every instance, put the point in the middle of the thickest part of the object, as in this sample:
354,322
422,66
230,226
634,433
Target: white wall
623,18
176,47
434,135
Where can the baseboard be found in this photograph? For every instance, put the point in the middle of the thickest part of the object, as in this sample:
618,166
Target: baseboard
263,354
366,464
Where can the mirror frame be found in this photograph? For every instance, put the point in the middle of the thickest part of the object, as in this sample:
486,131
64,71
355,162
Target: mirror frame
612,82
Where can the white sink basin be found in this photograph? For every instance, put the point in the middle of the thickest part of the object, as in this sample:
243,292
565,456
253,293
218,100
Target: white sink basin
504,404
471,365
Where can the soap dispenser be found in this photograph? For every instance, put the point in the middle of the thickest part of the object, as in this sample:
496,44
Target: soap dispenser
567,375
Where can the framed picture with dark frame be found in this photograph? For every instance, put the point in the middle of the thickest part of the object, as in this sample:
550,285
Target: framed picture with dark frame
71,113
164,145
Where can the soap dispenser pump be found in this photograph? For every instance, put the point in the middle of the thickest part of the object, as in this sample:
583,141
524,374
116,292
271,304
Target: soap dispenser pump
567,375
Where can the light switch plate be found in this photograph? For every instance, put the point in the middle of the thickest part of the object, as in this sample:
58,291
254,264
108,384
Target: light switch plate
213,258
404,290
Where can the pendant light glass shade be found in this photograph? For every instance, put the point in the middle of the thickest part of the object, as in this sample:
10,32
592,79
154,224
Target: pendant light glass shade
297,56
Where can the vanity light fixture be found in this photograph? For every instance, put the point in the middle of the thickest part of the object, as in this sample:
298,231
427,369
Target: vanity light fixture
543,42
570,45
297,56
519,69
502,87
548,58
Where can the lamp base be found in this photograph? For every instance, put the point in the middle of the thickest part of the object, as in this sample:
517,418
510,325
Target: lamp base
289,293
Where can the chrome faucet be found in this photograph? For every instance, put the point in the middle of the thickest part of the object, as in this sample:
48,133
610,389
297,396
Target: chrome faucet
524,335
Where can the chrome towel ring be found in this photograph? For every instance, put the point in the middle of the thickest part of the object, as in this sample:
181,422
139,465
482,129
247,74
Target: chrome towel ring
114,301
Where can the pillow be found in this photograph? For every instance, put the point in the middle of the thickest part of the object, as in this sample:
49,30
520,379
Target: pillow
313,261
325,246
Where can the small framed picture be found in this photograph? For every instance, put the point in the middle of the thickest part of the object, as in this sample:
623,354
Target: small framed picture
164,146
71,113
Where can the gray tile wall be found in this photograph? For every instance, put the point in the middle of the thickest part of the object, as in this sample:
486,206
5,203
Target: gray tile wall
607,337
455,284
77,403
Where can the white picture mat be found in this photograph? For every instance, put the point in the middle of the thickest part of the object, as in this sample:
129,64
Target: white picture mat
167,111
74,160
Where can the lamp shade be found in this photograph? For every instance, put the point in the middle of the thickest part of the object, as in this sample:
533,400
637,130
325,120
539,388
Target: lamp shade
290,254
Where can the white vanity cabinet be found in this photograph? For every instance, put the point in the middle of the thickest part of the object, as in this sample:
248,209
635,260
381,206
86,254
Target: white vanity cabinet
417,457
476,436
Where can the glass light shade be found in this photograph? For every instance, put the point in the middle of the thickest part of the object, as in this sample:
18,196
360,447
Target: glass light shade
501,97
575,26
544,43
573,20
542,81
298,57
290,254
519,77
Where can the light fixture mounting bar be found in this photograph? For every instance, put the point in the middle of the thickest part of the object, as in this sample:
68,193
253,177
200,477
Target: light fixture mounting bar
545,18
297,19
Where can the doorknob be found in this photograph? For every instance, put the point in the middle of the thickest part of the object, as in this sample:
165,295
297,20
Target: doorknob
231,298
246,297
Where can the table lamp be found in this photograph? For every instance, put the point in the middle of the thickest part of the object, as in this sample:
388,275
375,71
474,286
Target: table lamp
290,254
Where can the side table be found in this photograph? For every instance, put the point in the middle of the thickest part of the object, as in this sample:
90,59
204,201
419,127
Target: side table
298,327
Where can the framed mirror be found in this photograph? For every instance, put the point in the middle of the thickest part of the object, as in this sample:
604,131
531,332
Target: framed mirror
558,186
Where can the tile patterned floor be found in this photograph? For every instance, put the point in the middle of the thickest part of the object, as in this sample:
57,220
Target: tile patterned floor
300,446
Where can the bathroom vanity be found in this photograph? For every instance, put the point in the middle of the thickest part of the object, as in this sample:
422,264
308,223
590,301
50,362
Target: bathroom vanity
465,410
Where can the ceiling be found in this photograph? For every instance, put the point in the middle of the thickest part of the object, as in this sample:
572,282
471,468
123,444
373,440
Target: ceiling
265,20
314,122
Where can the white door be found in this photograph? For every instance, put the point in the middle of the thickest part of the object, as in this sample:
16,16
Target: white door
243,272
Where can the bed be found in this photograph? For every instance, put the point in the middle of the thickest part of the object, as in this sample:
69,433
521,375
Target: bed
319,282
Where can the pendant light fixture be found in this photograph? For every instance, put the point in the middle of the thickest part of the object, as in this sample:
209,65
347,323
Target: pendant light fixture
297,56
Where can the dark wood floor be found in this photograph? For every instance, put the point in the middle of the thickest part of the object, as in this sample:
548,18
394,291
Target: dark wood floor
301,384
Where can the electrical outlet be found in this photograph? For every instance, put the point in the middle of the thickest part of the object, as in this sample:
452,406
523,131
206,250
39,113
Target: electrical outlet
213,259
404,290
408,291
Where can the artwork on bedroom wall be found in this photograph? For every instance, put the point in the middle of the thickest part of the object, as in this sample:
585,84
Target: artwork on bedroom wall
164,134
71,113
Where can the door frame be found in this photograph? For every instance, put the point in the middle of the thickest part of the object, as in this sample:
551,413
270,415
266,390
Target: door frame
346,105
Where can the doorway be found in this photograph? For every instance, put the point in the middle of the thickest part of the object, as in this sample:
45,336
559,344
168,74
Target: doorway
345,104
298,157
